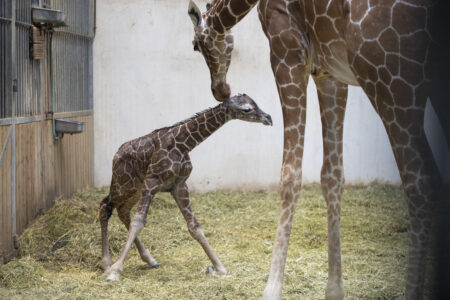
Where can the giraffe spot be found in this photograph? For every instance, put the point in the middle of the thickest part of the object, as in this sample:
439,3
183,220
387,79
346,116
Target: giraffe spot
403,118
277,47
414,165
384,102
329,118
196,136
407,19
282,74
238,7
415,225
369,88
387,3
294,57
228,20
291,118
421,92
338,174
191,142
389,40
289,40
291,91
334,160
416,128
372,52
364,69
398,136
218,26
293,8
393,64
324,30
341,25
325,50
357,10
384,75
378,19
415,46
403,95
411,72
174,155
320,7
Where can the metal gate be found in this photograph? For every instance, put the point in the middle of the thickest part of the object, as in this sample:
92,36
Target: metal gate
32,93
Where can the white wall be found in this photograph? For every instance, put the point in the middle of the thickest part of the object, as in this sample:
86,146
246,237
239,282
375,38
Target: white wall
146,76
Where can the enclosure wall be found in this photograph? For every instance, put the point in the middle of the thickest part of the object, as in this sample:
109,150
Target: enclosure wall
36,165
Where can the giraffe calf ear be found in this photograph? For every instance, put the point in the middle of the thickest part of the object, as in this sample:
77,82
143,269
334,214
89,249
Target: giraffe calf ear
194,13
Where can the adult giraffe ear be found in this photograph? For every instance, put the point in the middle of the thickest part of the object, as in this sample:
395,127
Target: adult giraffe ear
194,13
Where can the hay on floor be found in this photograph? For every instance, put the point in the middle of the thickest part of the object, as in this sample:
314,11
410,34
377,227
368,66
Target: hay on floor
60,251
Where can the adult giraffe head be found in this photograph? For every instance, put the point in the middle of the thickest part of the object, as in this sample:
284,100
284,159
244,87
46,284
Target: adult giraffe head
215,43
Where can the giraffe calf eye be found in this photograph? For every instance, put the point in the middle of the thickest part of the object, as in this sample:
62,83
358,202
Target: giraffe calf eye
247,110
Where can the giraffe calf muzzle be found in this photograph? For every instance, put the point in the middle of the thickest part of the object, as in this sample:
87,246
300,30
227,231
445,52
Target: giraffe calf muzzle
267,120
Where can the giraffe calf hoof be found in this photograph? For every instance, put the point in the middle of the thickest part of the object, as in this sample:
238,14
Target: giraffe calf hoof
113,276
213,271
155,266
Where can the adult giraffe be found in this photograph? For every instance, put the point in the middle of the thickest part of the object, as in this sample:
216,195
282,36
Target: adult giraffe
385,47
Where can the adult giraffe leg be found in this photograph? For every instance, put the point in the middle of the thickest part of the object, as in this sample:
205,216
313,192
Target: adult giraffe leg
332,100
124,216
292,80
421,182
150,188
181,196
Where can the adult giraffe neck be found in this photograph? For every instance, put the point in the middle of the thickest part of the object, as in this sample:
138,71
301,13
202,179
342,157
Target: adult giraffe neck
224,14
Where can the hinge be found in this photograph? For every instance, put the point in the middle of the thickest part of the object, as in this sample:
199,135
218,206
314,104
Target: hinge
15,85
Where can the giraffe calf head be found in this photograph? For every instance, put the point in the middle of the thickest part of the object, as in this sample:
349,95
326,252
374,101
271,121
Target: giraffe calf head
243,107
216,47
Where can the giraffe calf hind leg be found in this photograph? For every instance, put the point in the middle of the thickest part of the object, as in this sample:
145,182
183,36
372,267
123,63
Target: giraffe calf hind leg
105,213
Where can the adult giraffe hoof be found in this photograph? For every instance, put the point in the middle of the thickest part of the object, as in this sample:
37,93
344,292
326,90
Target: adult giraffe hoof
213,271
155,266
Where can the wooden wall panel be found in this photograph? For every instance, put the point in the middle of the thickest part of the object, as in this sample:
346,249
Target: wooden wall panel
29,193
6,240
45,170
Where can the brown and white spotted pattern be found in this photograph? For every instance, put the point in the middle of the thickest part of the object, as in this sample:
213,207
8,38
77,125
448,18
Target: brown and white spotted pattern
385,47
159,162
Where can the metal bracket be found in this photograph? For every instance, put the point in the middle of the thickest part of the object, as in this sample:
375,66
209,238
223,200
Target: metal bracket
15,87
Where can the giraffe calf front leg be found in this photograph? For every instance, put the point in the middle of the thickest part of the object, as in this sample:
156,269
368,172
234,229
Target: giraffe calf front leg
181,196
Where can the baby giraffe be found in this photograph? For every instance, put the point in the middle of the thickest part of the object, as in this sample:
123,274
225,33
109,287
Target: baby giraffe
159,162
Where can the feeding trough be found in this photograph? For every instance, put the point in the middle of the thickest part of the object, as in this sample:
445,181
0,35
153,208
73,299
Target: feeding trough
47,16
69,126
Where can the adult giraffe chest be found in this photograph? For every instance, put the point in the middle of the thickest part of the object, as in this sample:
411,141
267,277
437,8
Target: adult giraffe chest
326,23
319,26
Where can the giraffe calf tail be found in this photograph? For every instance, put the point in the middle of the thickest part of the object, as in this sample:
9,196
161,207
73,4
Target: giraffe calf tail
106,207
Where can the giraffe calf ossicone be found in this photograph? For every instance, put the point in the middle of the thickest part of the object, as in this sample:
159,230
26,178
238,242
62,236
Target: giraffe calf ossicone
159,162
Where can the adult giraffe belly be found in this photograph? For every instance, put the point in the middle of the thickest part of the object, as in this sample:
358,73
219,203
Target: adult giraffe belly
326,22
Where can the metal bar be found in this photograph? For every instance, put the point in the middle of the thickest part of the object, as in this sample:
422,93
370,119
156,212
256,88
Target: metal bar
24,120
13,115
6,20
4,147
21,120
73,114
85,36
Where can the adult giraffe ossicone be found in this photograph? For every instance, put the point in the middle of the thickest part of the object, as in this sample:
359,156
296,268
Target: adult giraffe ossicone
384,46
